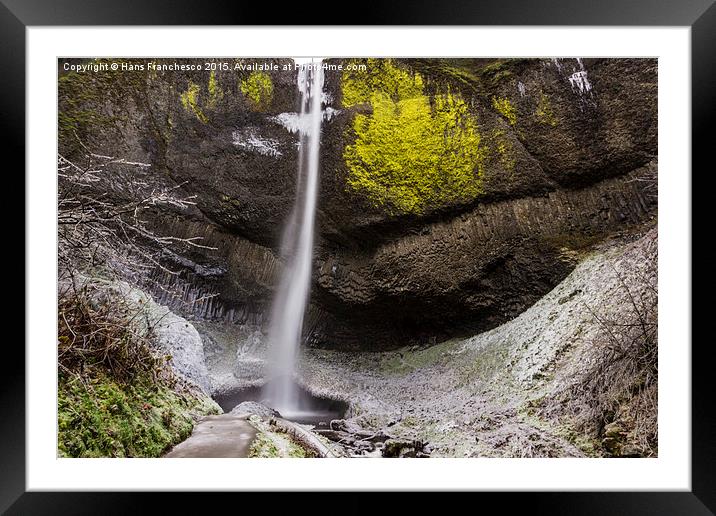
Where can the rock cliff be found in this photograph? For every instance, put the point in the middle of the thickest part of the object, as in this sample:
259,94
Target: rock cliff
453,195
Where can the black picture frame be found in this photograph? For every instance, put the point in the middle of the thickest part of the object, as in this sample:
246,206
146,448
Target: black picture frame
17,15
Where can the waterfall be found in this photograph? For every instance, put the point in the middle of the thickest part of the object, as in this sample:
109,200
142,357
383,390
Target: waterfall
289,305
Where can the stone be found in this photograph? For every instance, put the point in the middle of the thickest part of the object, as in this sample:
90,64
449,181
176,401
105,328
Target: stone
255,409
345,425
403,448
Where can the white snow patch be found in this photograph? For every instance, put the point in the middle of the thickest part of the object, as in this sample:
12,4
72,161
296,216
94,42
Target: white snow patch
521,88
292,122
249,140
295,123
580,81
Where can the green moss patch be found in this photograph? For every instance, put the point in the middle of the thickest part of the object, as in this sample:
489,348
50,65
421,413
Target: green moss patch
504,149
504,107
270,442
263,448
258,89
413,152
190,101
268,445
101,417
382,75
215,91
544,113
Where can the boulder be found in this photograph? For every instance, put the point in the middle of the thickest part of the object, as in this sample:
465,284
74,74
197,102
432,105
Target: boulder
254,408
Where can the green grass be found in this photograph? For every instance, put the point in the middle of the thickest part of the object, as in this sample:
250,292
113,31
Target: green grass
404,361
265,446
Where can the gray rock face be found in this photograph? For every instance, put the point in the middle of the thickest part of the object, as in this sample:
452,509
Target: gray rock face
254,408
468,273
477,396
181,340
234,355
176,336
169,333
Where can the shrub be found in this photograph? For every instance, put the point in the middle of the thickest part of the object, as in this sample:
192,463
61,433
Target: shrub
614,398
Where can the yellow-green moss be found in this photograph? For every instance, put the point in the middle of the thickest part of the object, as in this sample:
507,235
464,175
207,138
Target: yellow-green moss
190,101
270,445
504,107
504,149
263,447
358,86
215,91
258,89
410,154
497,70
230,200
544,112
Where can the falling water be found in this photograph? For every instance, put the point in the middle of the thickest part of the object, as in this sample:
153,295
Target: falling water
289,306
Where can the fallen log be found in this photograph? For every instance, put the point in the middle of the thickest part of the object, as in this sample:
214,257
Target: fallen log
337,436
303,437
359,434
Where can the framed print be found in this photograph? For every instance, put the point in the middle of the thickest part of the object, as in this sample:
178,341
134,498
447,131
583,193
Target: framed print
259,254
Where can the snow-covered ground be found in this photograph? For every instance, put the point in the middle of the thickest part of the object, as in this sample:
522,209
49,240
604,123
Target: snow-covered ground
468,396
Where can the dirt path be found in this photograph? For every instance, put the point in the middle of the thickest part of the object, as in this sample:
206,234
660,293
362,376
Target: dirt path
217,436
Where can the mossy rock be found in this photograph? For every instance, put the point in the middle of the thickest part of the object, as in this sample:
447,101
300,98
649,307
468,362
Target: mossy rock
411,152
101,417
258,89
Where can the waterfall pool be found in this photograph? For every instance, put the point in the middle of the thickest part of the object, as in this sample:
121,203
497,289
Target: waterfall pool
309,410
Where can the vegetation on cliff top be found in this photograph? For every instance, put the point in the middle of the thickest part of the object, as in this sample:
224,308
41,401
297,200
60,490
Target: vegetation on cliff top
412,152
81,99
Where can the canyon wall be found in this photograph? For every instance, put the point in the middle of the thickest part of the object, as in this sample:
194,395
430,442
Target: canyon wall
454,193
